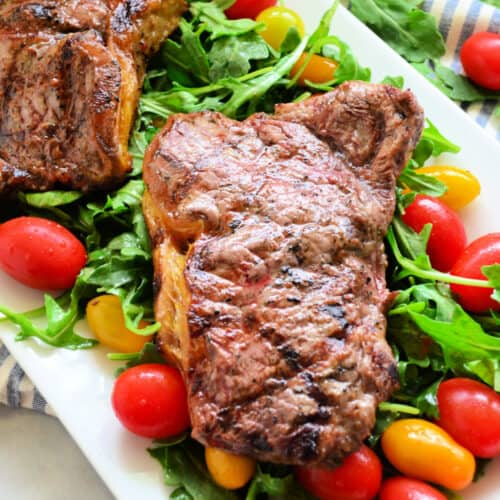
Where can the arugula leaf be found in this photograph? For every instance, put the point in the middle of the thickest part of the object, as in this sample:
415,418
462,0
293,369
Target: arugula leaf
349,67
421,183
255,88
410,31
282,486
59,331
432,143
395,81
291,40
189,54
183,465
493,274
149,354
466,348
214,21
50,199
230,56
456,87
323,29
418,267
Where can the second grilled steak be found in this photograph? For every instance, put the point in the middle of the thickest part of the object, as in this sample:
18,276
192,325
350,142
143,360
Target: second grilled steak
270,268
70,75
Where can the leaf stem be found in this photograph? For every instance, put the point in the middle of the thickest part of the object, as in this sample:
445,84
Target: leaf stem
431,274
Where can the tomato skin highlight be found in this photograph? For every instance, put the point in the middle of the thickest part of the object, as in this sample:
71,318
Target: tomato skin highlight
463,186
248,8
358,478
278,21
40,253
228,470
480,56
318,70
422,450
447,239
470,413
150,400
481,252
405,488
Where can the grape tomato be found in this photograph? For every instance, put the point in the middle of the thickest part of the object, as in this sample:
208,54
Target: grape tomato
40,253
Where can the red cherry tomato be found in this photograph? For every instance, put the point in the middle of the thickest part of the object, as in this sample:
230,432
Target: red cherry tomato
40,253
481,252
447,239
248,8
404,488
358,478
470,412
480,56
150,400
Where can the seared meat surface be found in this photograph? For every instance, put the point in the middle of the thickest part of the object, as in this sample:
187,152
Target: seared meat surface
270,268
70,76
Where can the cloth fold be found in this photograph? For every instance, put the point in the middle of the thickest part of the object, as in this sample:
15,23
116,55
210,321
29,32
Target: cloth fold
457,19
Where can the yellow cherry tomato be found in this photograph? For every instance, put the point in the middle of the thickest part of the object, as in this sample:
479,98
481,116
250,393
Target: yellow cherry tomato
423,450
318,70
106,320
462,186
278,21
228,470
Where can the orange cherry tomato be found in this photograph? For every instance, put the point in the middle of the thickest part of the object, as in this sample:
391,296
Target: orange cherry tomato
463,187
106,320
422,450
228,470
318,70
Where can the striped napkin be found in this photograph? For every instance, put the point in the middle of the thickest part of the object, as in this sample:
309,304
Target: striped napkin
458,19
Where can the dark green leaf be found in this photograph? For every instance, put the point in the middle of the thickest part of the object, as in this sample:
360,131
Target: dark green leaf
456,87
412,245
189,54
427,402
420,183
408,30
180,494
184,466
481,463
292,39
149,354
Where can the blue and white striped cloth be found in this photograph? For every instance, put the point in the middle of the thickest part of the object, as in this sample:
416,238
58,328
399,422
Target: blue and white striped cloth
458,19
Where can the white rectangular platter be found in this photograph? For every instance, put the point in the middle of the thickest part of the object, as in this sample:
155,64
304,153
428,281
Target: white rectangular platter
78,384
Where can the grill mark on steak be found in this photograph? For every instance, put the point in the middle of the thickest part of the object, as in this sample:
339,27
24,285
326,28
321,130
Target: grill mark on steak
70,75
284,217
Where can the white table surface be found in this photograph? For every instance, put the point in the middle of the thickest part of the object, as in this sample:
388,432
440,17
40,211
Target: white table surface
39,460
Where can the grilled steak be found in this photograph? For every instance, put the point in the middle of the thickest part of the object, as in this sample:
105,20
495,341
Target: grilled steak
70,75
270,268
